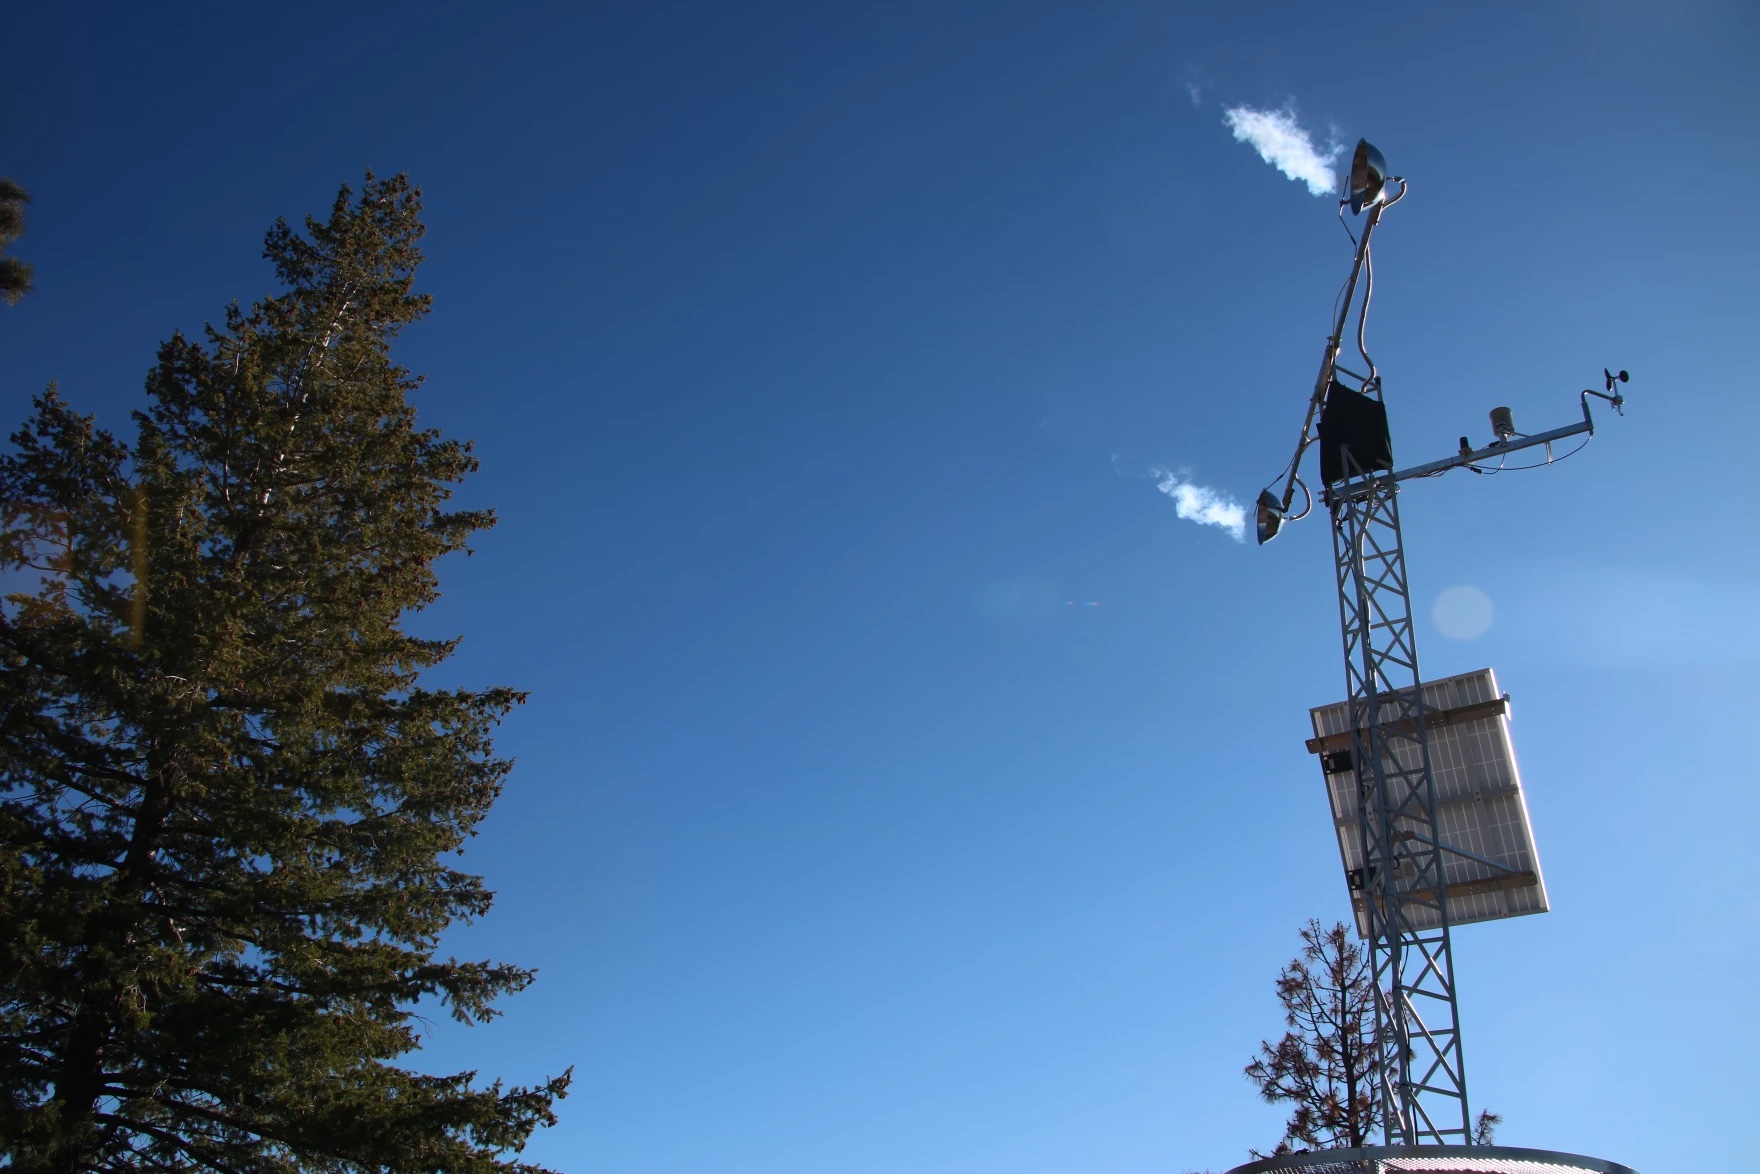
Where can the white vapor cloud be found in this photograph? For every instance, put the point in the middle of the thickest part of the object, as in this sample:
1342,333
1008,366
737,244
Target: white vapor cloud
1282,142
1201,504
1195,87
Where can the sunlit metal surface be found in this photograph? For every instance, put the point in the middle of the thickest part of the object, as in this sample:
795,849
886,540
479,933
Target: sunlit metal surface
1489,862
1435,1159
1368,176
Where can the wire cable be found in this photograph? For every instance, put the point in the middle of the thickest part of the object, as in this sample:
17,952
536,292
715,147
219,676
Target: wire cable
1537,464
1374,379
1292,467
1341,285
1331,323
1503,467
1308,499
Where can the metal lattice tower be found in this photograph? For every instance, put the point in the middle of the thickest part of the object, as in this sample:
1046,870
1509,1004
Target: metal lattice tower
1421,1069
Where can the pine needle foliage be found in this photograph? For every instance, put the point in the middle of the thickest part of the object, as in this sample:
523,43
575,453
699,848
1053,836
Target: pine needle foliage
1325,1064
227,803
15,275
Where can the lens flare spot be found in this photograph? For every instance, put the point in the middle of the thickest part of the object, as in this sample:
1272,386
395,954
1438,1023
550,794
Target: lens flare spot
1462,613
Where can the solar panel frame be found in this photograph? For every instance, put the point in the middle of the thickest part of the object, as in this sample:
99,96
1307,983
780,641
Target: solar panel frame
1481,808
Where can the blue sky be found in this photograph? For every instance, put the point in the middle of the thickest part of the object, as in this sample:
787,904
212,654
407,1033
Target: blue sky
818,357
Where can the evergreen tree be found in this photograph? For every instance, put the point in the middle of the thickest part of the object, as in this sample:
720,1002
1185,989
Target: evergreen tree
1325,1063
15,275
227,802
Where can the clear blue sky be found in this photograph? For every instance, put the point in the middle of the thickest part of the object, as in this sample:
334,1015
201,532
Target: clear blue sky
817,356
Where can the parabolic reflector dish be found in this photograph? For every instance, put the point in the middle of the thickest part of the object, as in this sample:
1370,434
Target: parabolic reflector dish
1490,868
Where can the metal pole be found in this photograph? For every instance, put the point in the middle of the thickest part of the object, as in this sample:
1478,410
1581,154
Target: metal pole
1329,360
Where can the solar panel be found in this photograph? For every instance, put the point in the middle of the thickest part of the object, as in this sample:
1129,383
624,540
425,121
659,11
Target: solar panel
1490,868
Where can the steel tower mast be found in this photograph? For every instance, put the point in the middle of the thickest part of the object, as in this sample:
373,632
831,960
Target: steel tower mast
1422,1072
1420,1066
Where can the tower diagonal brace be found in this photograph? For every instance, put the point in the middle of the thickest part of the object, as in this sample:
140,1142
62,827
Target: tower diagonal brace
1422,1077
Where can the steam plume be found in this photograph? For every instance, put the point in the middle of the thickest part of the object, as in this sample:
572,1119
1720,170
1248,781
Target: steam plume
1203,505
1282,142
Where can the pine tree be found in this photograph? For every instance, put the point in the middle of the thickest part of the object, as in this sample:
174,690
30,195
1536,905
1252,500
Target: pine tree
227,802
15,275
1325,1063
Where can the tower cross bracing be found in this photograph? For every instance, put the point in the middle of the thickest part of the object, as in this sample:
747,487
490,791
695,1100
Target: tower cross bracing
1420,1068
